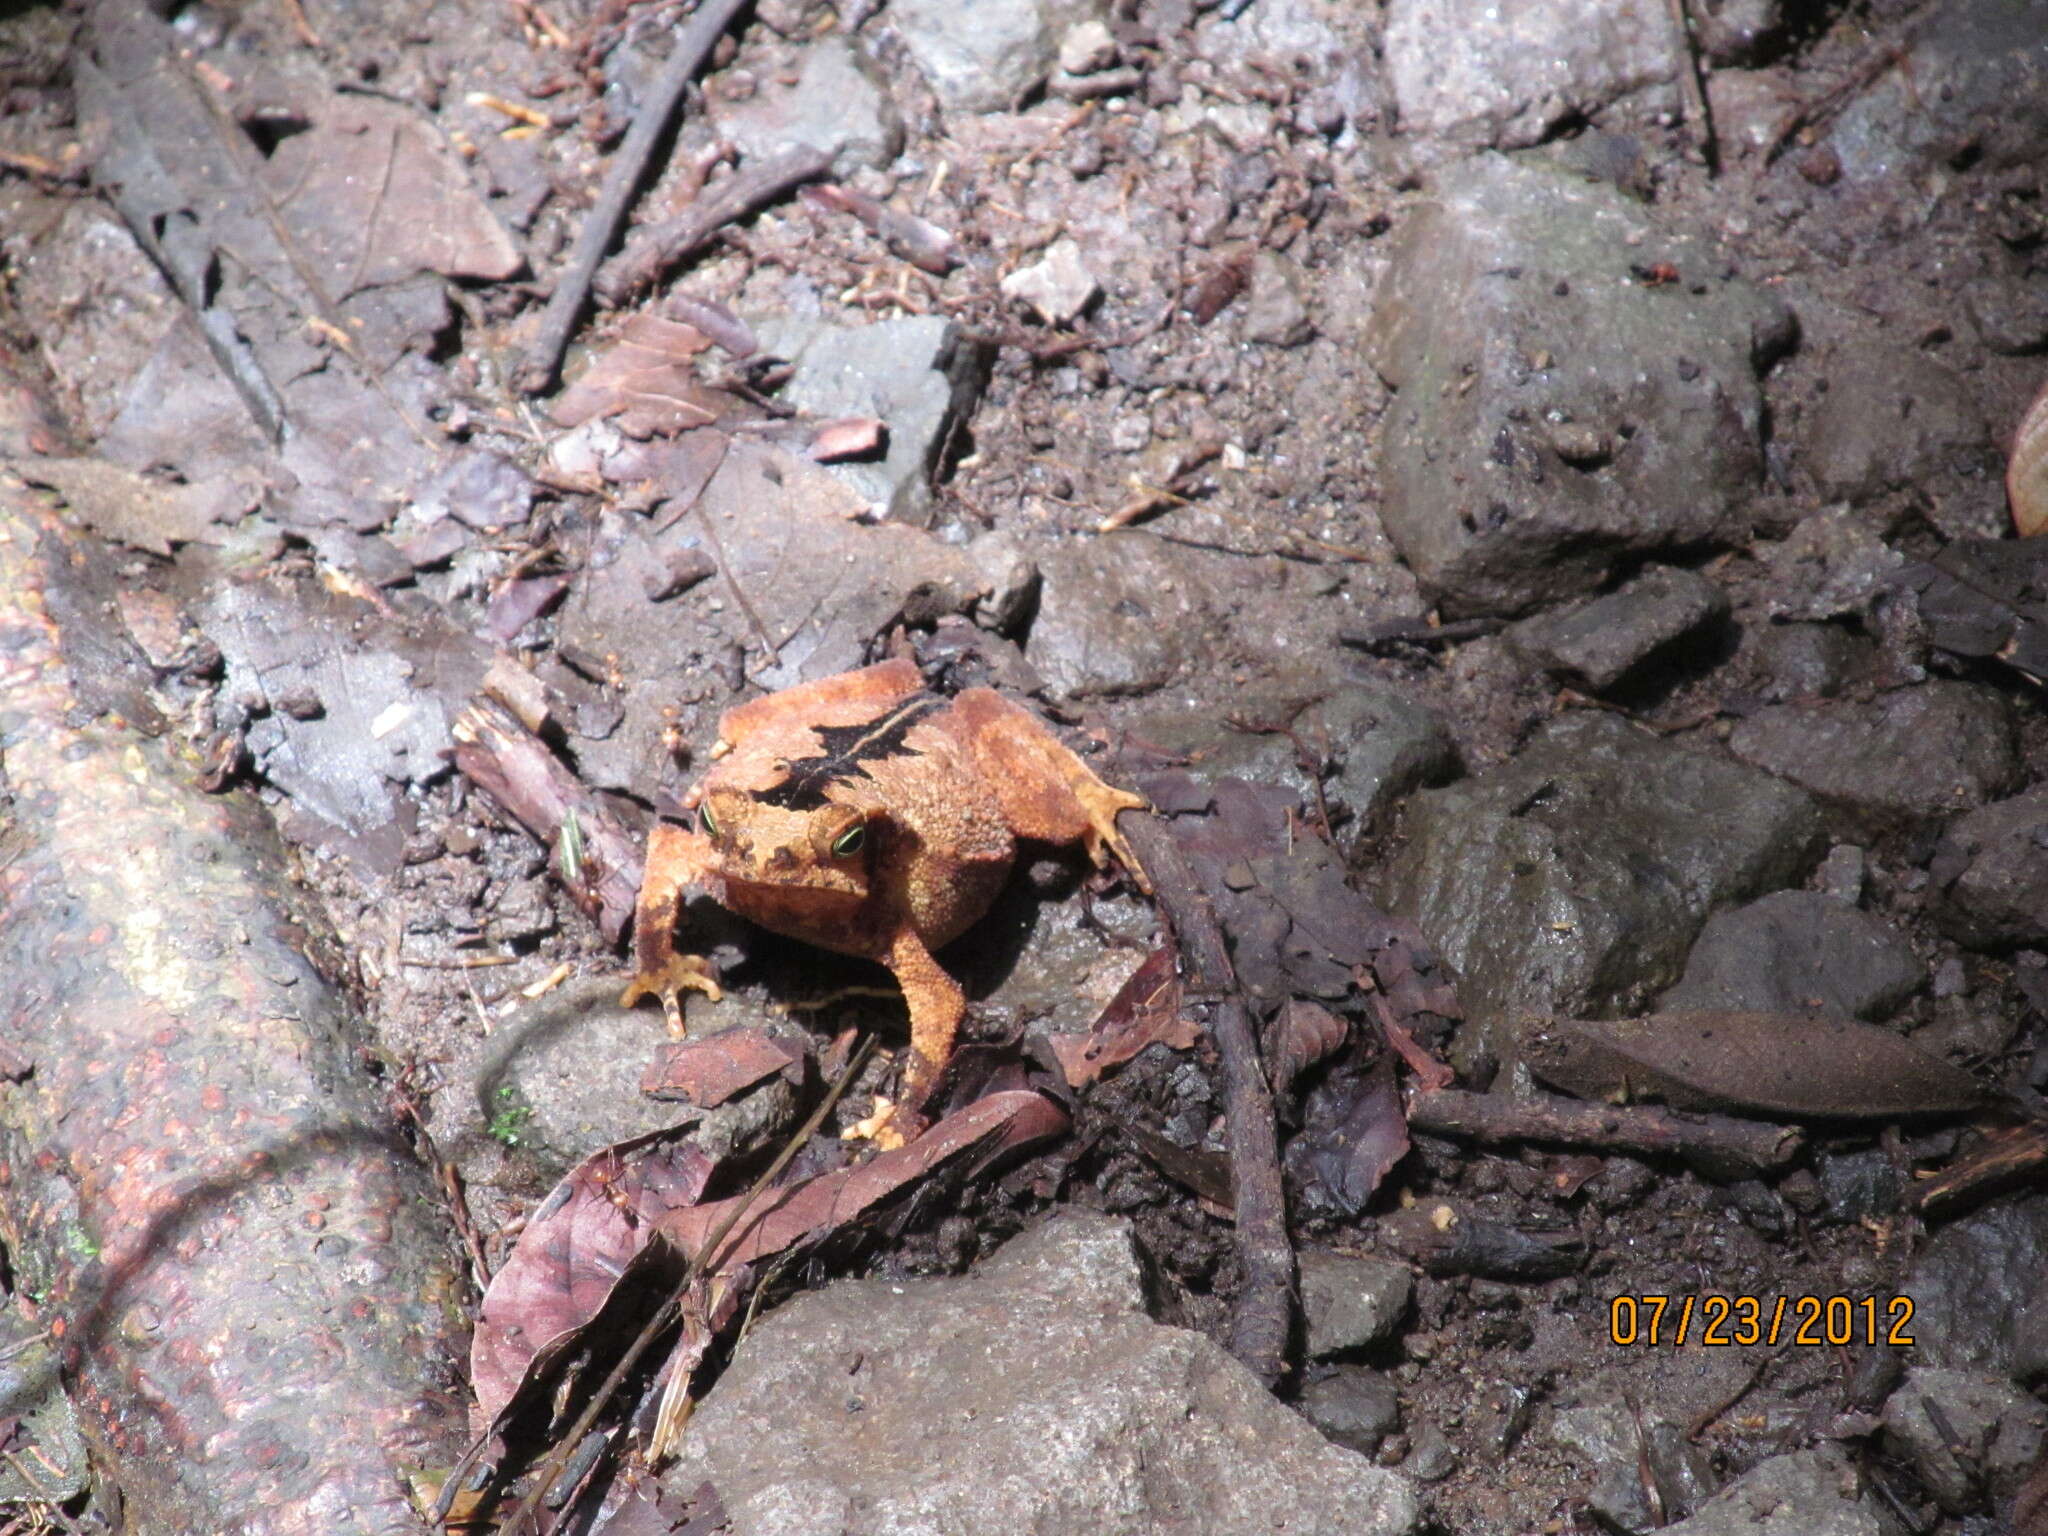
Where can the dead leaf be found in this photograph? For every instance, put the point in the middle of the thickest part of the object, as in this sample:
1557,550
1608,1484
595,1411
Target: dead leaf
1430,1073
1778,1066
707,1072
1301,1034
645,382
131,509
1145,1011
1355,1130
572,1252
2026,471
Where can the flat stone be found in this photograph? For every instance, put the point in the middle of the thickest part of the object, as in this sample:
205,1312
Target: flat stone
1058,286
2001,1425
1806,1493
1349,1302
1830,565
919,374
1557,416
833,105
1929,750
1117,615
1032,1394
1474,73
1274,311
980,58
1798,952
1796,661
1355,1406
1977,1281
1604,640
1572,879
2010,313
1992,870
1892,416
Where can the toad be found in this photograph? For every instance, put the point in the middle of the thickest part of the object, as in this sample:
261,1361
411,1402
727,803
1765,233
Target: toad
866,814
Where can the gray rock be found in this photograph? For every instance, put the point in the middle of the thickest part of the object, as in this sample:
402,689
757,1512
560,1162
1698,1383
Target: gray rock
1859,1186
1807,1493
1573,878
1798,952
984,57
2010,313
1471,72
1997,1426
1831,564
1609,1437
1735,31
1117,615
1557,416
1088,47
1031,1395
1356,1407
1058,285
919,374
1604,640
1349,1302
1796,661
1273,309
1974,84
1975,1281
1992,869
1892,416
1844,873
834,105
1929,750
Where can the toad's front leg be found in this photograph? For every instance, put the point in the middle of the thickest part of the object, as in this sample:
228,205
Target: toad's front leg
937,1006
677,859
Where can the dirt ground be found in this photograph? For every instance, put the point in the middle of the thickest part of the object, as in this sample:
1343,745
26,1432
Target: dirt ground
1236,199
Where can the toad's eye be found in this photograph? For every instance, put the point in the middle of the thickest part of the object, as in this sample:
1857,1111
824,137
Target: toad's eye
707,821
850,841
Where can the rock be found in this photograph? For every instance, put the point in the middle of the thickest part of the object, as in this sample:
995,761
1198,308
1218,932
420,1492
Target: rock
1831,564
1058,285
1892,416
1998,1426
920,374
1844,873
1750,106
1859,1186
1117,615
1356,1407
1558,416
1976,1282
1798,952
1610,1438
1796,661
1088,47
1473,73
833,105
1348,1302
2010,313
1992,871
979,58
1573,878
1925,751
1033,1394
1273,309
1735,31
1970,88
1604,640
1806,1493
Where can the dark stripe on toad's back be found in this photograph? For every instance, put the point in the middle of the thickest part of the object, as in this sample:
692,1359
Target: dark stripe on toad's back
845,749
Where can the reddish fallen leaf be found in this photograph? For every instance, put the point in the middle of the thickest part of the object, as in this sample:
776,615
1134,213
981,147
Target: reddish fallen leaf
1145,1011
851,437
1355,1130
571,1254
1301,1034
709,1071
997,1124
645,381
1429,1072
518,603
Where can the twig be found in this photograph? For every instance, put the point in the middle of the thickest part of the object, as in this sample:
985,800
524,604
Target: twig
659,246
1699,122
1493,1118
694,43
1263,1315
671,1308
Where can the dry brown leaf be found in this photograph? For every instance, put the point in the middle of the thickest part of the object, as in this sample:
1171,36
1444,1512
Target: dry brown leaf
645,381
1145,1011
130,509
709,1071
2026,471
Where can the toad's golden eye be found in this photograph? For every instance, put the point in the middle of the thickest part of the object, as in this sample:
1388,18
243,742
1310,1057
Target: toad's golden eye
849,842
706,820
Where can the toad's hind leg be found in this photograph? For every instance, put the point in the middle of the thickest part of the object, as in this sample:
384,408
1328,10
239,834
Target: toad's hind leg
1047,793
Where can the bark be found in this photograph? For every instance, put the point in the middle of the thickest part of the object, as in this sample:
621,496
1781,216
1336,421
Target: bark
245,1266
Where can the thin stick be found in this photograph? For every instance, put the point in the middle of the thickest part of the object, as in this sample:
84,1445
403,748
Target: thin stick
1495,1118
1699,122
694,43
